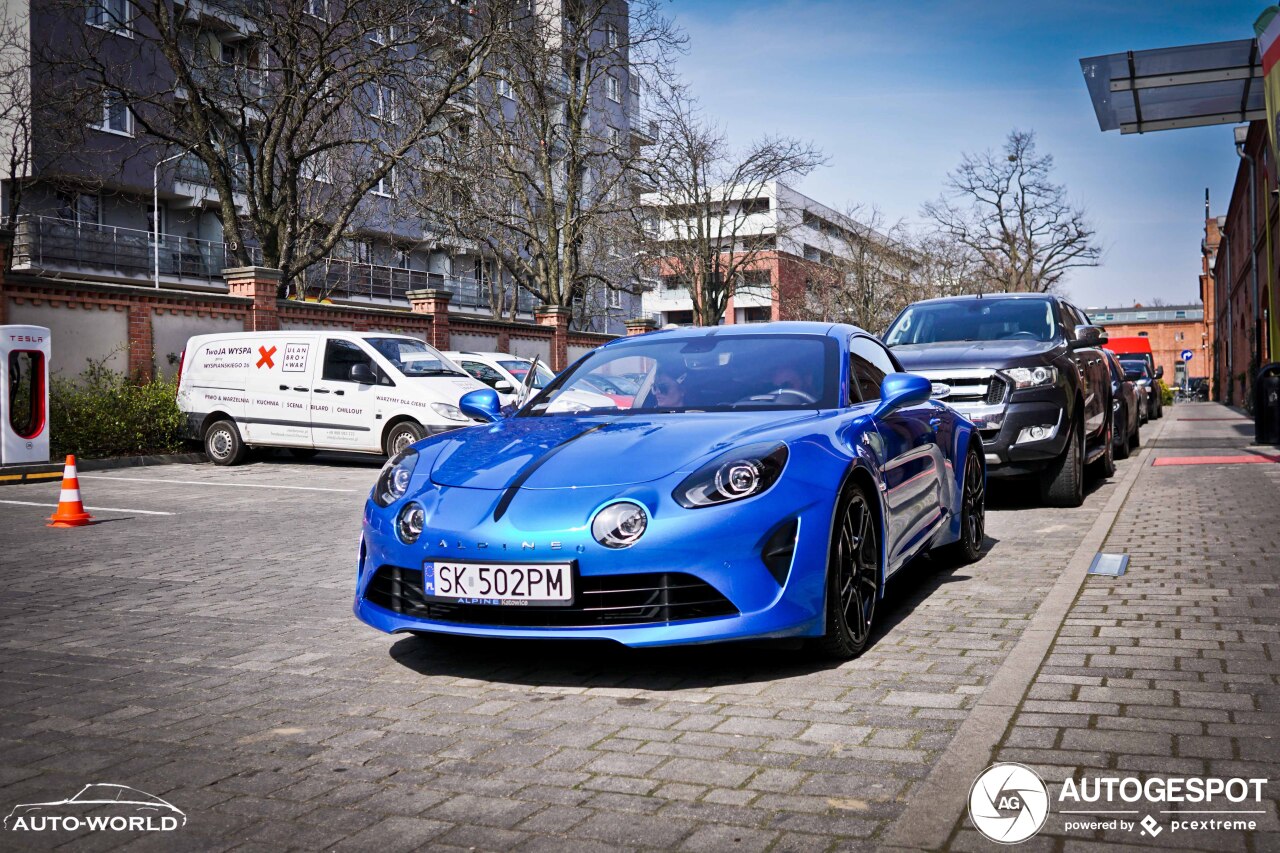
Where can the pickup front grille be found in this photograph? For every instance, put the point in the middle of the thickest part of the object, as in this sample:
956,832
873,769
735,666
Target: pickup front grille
637,599
997,388
985,387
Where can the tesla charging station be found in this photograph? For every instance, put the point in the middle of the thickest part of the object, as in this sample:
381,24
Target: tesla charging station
24,394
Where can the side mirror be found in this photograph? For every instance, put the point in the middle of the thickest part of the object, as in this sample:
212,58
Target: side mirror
482,405
363,374
898,390
502,386
1160,372
1089,336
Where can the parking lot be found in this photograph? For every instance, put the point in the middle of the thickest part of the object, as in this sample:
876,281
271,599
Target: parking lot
198,643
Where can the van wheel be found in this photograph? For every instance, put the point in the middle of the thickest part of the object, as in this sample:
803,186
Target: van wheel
223,445
401,436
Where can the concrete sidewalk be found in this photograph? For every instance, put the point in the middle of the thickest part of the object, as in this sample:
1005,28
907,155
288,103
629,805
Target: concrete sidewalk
1172,670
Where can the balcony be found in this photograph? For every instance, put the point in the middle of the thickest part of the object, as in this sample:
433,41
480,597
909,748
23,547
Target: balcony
347,280
238,16
51,246
192,180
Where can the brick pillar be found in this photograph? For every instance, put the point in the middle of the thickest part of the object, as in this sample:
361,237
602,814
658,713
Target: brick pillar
434,303
504,340
141,345
557,317
6,252
640,326
262,285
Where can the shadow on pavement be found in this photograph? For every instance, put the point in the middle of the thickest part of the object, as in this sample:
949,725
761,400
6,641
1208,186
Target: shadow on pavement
601,663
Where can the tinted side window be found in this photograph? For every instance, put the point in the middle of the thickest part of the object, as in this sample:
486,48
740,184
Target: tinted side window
483,372
868,364
340,357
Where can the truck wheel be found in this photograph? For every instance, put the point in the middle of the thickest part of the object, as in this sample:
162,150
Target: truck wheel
223,445
401,436
1062,483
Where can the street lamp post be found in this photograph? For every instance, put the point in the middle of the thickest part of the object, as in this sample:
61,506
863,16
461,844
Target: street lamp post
155,212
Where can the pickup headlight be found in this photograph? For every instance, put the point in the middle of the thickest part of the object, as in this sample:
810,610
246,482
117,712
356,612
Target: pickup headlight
1032,377
449,412
742,473
394,479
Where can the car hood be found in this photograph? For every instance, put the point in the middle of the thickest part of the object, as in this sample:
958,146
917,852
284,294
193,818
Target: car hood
567,451
969,353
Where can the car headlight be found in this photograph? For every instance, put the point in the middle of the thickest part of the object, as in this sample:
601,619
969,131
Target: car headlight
1032,377
449,412
410,522
619,525
394,479
743,473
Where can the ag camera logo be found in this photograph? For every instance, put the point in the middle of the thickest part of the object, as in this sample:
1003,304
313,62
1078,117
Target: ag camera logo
1008,803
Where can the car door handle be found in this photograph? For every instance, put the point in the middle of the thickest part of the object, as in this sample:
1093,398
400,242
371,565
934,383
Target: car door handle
297,388
339,391
286,388
320,390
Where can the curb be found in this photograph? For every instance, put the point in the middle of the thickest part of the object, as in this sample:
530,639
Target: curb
936,808
18,474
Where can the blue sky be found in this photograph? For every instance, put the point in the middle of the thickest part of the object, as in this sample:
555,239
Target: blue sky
895,92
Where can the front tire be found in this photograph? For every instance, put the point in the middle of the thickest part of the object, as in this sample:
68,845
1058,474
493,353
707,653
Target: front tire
1105,465
1063,482
973,513
401,436
223,445
1126,444
853,577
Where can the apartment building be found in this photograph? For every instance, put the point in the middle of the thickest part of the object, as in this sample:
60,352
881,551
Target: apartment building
119,207
796,239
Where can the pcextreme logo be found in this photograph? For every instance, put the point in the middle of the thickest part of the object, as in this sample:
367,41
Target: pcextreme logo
1008,803
99,807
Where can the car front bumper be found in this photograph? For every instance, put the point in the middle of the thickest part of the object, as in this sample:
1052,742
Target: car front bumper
1001,426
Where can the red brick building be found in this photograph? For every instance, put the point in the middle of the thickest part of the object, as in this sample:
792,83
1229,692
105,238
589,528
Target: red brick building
1170,330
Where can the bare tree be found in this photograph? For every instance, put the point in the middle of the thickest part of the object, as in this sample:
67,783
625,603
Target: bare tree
302,115
715,226
867,272
943,266
1006,209
544,182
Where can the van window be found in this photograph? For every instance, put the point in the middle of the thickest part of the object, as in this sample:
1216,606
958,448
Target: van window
340,356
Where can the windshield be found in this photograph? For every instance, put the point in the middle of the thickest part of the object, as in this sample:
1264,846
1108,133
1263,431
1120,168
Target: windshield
1135,368
703,374
519,368
974,320
414,358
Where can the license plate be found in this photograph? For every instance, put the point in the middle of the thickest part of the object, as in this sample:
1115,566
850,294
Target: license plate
509,584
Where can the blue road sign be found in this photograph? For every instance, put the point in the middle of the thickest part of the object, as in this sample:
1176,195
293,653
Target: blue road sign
1187,354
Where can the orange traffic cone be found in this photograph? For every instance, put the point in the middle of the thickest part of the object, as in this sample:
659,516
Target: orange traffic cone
70,512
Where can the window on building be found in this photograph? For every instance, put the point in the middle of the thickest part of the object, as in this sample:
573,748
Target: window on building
754,205
756,280
404,259
674,282
116,116
1142,334
386,35
386,185
316,168
615,298
113,15
611,35
633,82
317,8
384,103
80,208
503,88
612,91
615,137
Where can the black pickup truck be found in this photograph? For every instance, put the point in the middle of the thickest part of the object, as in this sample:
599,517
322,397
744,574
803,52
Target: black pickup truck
1029,371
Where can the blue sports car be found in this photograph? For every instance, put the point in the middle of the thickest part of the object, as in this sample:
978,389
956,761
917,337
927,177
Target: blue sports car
763,482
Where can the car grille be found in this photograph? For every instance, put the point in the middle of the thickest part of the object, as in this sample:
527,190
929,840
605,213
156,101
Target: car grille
600,600
971,386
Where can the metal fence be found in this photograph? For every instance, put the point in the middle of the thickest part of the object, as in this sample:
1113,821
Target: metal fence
51,244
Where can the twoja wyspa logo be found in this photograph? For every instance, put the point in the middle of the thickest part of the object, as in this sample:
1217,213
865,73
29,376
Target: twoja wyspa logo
1008,803
99,807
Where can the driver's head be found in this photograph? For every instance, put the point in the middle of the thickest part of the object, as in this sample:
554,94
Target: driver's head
667,388
790,378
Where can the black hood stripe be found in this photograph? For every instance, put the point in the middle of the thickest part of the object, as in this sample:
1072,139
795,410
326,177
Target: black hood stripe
528,471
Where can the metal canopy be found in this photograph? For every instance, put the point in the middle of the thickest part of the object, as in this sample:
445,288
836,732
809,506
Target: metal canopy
1172,87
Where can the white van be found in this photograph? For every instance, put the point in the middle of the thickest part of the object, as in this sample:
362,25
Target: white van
309,391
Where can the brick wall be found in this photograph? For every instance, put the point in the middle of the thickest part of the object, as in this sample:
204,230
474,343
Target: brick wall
1168,339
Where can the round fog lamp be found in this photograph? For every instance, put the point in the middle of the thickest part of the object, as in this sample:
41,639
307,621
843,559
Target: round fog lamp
410,522
619,525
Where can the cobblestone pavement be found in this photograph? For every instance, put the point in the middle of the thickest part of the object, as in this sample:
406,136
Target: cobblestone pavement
210,657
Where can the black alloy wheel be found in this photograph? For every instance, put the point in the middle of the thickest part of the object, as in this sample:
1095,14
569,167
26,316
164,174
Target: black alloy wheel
853,578
973,511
